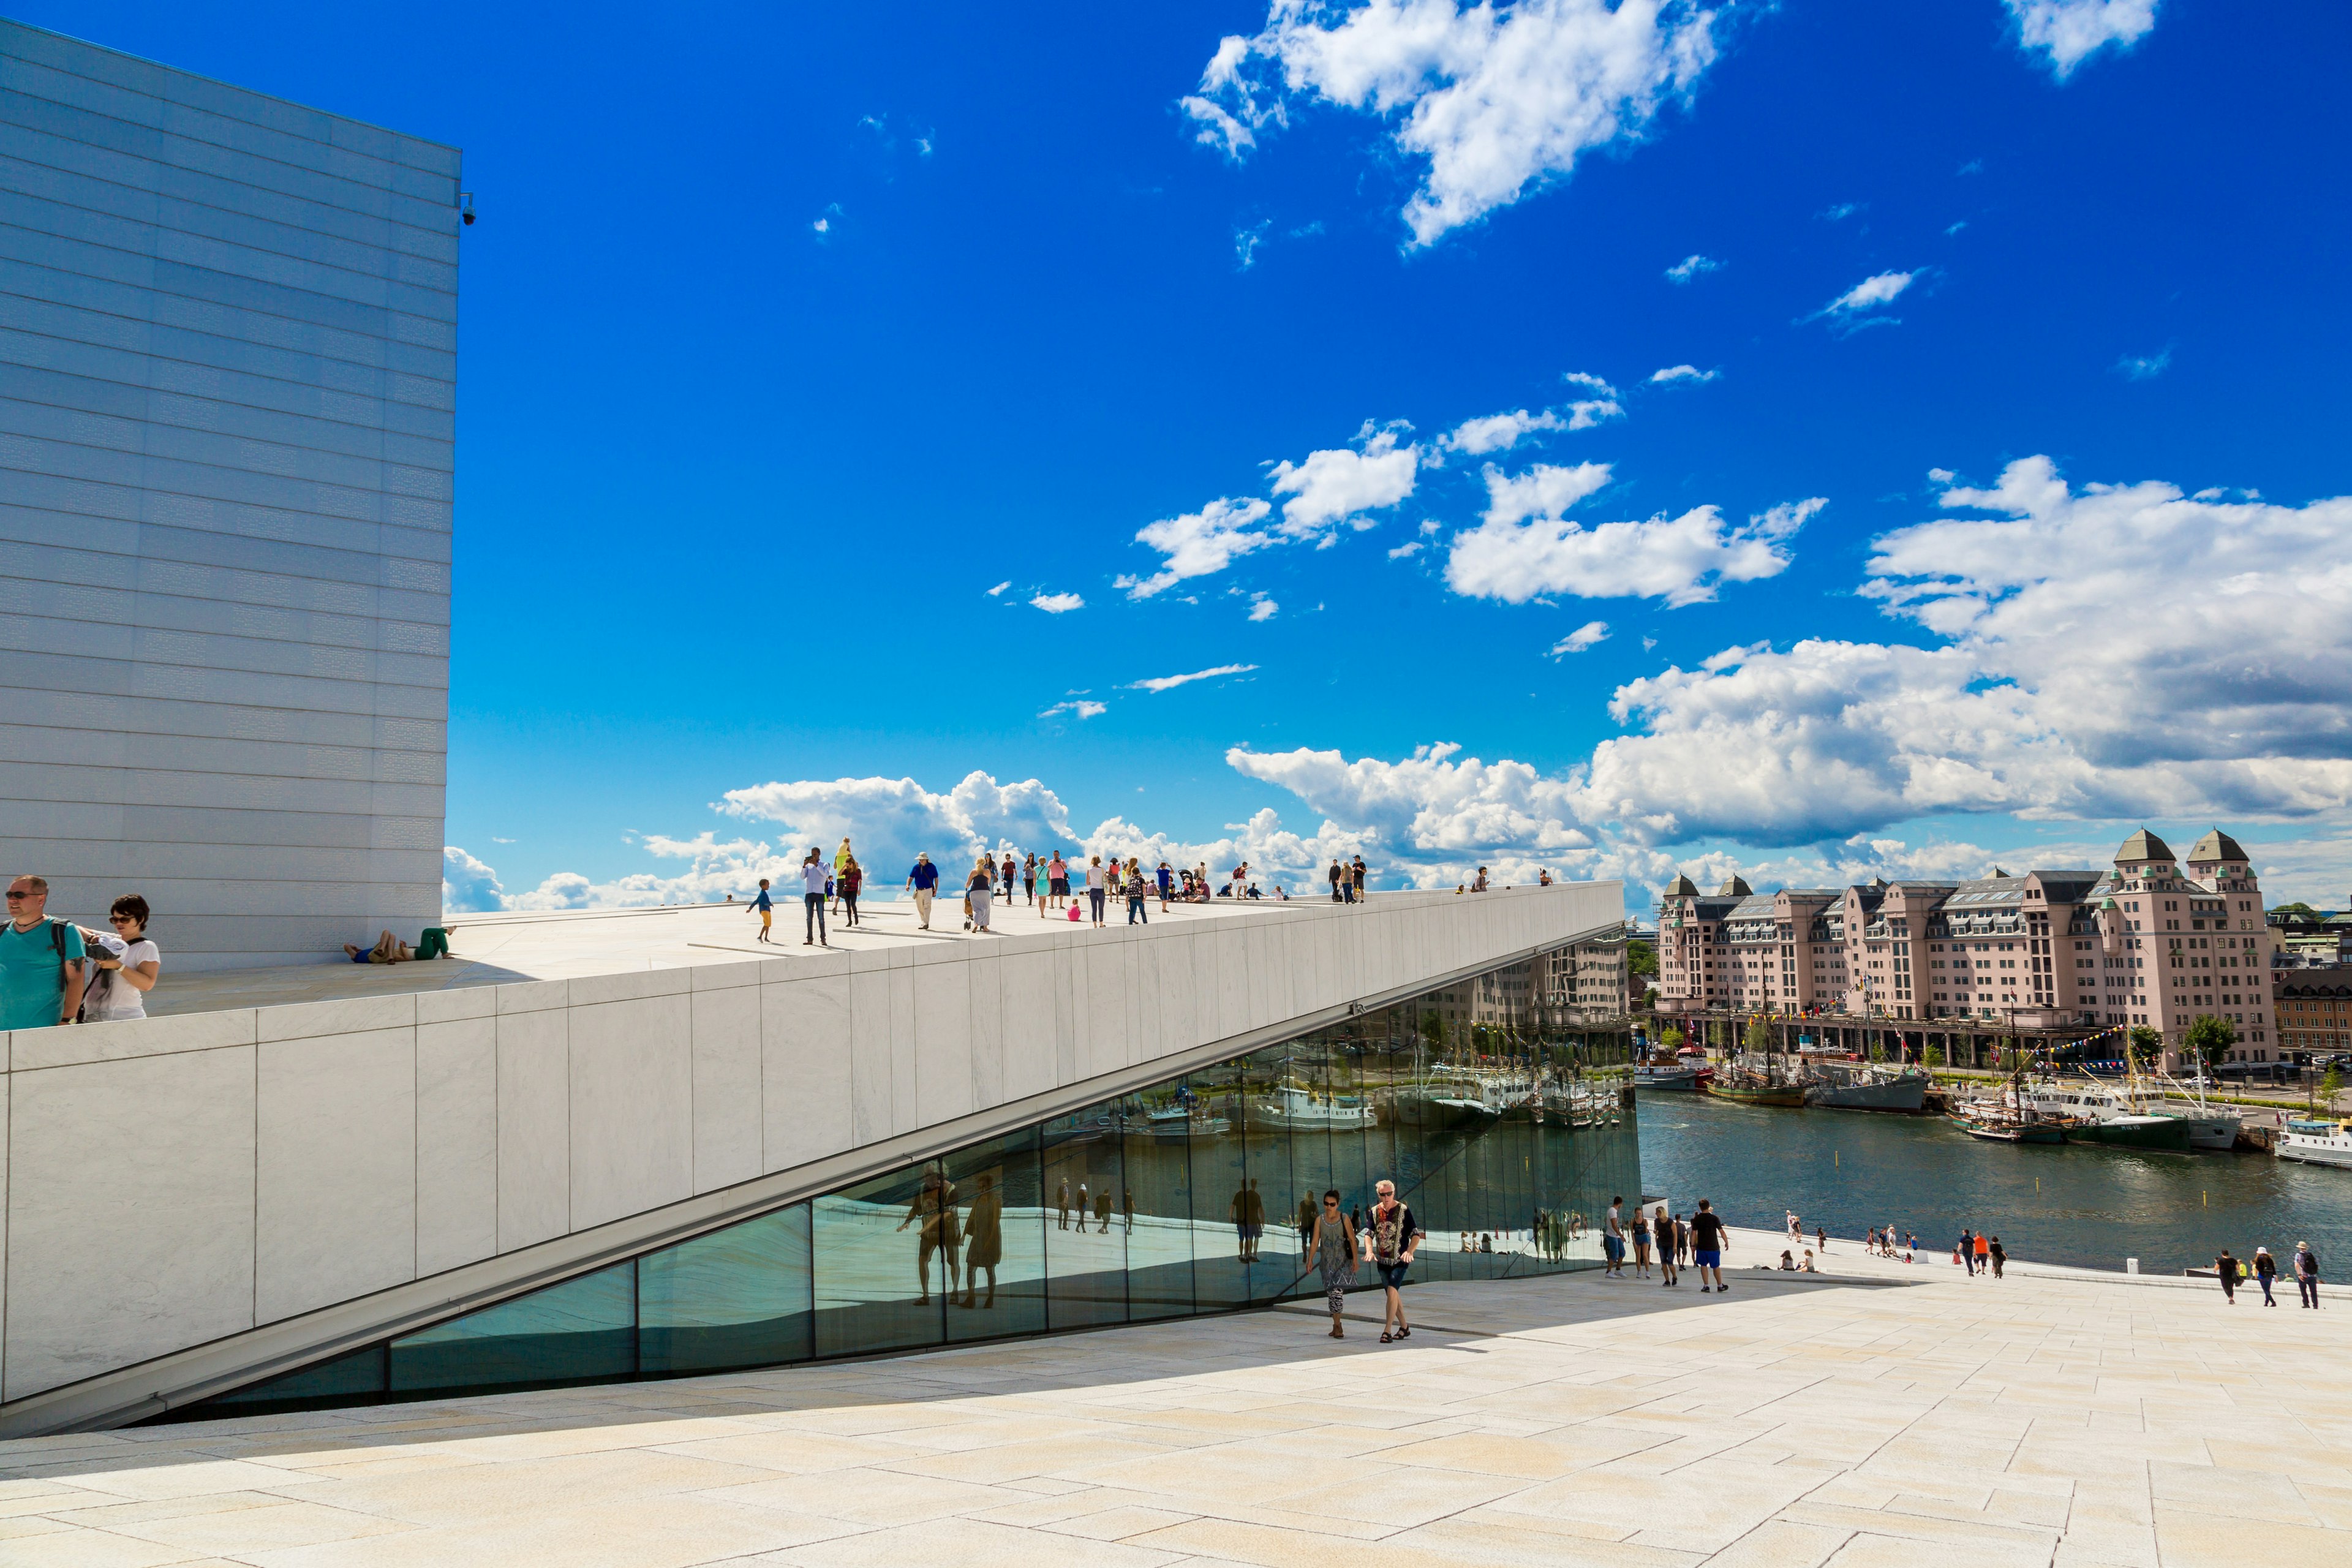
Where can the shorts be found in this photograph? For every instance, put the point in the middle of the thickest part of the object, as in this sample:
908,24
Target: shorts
1060,889
1392,1274
1613,1248
1707,1257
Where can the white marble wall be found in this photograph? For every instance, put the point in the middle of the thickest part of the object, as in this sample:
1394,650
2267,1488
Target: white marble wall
174,1180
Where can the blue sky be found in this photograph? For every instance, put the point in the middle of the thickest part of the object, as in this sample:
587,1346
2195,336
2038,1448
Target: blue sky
789,334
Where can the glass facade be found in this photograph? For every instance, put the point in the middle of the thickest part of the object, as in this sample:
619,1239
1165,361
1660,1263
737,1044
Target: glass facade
1504,1126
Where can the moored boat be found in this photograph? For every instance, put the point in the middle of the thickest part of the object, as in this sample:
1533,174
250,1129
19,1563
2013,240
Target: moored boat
1905,1090
2168,1133
1754,1092
2316,1141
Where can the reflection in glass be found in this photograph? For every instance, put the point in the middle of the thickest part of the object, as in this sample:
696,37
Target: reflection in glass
1219,1192
877,1249
739,1296
1003,1225
582,1330
1086,1254
1157,1128
1268,1199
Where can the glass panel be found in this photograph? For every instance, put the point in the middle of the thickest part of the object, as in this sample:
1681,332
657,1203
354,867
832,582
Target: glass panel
346,1380
1272,1094
737,1297
1157,1203
1086,1255
1219,1191
581,1330
875,1248
1000,1221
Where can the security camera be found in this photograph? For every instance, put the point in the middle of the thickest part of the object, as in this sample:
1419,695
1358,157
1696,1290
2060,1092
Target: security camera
466,210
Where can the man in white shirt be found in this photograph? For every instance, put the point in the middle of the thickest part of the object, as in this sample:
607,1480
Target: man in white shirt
814,877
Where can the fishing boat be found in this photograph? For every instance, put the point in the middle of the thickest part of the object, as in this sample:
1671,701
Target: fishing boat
1651,1076
1177,1122
1755,1092
1444,1104
2213,1128
2316,1141
1294,1105
2013,1131
1870,1089
2097,1114
2010,1117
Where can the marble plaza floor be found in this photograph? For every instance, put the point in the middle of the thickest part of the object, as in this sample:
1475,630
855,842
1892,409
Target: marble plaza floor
1851,1420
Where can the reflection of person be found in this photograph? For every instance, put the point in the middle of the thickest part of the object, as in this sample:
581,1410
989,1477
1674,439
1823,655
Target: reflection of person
1391,1233
1256,1219
1127,1203
934,1205
1102,1211
1331,1243
1308,1220
1240,1207
984,1223
1063,1203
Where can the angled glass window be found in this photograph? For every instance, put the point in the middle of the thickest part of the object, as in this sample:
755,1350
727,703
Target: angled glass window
1000,1219
739,1296
582,1330
880,1253
1085,1253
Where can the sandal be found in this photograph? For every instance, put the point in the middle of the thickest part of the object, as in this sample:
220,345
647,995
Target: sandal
1384,1336
1405,1332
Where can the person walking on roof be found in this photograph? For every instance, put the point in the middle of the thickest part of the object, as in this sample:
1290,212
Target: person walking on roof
766,909
814,878
2265,1271
925,880
2306,1275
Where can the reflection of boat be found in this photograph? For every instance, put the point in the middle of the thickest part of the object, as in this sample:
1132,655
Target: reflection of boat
1294,1105
1442,1105
1177,1122
2316,1141
1870,1089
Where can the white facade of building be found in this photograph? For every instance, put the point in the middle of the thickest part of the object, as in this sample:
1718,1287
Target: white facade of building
227,381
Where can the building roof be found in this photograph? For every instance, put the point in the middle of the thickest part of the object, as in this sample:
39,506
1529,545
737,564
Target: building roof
2217,846
1680,887
1735,889
2143,846
2068,885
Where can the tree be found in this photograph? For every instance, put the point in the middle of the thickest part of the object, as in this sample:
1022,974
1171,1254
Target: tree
1674,1040
1760,1036
1641,960
2331,1084
2208,1039
1935,1056
1432,1030
2299,909
2146,1047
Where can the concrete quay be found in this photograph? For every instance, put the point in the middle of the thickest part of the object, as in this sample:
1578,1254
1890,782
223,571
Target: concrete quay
1851,1420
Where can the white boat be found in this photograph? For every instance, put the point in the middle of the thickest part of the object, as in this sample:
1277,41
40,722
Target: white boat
1648,1077
2210,1127
1294,1105
2317,1143
1174,1122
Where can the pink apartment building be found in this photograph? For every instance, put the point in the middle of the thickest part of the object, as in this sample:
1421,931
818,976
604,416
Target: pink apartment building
2152,941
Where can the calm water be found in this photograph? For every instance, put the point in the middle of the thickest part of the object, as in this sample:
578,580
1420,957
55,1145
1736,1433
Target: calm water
2092,1208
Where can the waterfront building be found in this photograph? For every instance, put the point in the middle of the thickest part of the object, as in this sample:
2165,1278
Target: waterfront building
2313,1007
2151,941
227,393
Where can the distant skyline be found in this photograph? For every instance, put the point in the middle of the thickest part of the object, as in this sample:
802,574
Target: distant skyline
1817,440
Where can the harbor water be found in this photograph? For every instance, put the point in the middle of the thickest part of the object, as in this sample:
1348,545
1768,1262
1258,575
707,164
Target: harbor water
2090,1207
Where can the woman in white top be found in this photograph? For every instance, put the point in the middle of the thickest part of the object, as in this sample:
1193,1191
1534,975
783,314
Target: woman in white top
120,989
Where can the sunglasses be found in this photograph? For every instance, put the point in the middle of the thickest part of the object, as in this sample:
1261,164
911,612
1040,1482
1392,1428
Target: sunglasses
15,894
120,920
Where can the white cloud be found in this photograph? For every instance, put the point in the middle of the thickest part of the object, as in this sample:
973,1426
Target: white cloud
1586,415
1159,683
1247,241
467,884
1680,560
1058,604
1841,211
1499,432
1674,372
1545,491
1881,288
1199,543
1587,379
2068,32
1411,547
1080,707
1589,635
1497,102
1333,486
1692,266
1263,608
1000,588
2145,367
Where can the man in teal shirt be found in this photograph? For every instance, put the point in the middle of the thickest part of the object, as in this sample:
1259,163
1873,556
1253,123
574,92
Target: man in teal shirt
37,987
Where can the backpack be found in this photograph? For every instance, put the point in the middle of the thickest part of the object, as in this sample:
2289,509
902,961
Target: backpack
58,945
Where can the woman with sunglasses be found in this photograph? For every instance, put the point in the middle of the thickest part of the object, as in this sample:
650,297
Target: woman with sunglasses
119,990
1332,1245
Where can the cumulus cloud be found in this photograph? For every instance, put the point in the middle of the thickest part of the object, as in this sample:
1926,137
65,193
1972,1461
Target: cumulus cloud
1058,604
1494,103
467,886
1674,372
1584,636
1199,543
1870,294
1499,432
1159,683
1525,549
2068,32
1077,707
1340,485
1692,266
1263,608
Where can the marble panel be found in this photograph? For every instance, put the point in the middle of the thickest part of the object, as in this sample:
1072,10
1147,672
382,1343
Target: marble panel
350,1016
1076,997
1179,992
1233,981
631,1107
154,1156
457,1143
32,1050
465,1001
535,995
726,1111
629,986
534,1127
901,991
870,1064
987,980
1027,998
942,1027
335,1172
810,1046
